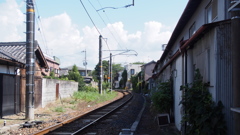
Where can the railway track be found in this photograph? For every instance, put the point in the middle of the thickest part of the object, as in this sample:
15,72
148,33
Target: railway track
82,124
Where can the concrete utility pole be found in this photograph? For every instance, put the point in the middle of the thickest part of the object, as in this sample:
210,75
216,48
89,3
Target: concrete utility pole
85,62
110,73
100,65
30,59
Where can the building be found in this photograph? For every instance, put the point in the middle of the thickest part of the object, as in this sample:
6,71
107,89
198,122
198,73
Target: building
205,38
53,64
147,72
13,76
132,69
82,71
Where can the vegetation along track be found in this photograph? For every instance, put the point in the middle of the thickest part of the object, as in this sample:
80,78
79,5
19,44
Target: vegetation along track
80,123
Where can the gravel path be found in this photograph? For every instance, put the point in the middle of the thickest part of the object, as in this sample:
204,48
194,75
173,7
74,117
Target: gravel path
149,126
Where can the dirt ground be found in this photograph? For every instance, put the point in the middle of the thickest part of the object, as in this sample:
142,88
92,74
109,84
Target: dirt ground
56,110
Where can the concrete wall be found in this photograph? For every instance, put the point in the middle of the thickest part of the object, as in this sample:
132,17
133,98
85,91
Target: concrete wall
53,89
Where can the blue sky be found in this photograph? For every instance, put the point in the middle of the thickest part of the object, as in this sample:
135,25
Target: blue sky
66,30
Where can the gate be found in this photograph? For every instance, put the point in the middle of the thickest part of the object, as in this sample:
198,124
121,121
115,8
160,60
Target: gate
9,94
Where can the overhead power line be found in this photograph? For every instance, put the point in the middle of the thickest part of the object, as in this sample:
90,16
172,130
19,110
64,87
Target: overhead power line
40,28
93,22
105,23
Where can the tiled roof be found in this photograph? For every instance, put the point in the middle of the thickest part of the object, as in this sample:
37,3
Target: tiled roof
14,51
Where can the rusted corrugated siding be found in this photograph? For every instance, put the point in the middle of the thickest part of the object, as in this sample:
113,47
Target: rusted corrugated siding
224,90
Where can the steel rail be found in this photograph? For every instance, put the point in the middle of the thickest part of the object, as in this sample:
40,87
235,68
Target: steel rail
103,116
58,125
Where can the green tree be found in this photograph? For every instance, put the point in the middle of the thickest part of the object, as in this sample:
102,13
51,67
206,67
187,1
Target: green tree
116,68
134,81
124,78
105,69
75,75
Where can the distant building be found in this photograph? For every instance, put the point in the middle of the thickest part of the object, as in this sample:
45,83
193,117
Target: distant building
132,69
53,64
147,72
82,72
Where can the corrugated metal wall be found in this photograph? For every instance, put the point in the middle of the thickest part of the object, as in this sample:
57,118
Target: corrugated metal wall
224,91
9,95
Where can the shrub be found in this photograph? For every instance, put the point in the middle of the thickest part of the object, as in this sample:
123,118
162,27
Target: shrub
163,98
202,116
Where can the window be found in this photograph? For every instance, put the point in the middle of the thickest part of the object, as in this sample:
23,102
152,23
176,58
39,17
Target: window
211,11
132,71
82,73
192,30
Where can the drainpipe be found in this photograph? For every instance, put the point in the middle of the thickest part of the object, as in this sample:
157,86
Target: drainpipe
235,31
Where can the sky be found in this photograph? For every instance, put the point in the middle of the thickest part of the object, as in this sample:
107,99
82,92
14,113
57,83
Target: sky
63,28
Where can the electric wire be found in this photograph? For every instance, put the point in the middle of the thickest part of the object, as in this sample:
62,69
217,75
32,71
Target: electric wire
104,22
94,23
111,25
40,28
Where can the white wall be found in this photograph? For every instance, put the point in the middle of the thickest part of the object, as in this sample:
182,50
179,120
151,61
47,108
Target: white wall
66,89
7,69
136,67
177,79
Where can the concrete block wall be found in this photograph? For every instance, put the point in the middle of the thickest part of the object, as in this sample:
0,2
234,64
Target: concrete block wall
50,93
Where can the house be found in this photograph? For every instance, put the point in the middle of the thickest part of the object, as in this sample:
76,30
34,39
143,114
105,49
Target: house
13,76
147,72
83,72
53,64
132,69
205,38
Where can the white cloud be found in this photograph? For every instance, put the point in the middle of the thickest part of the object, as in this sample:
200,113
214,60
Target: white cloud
11,22
67,41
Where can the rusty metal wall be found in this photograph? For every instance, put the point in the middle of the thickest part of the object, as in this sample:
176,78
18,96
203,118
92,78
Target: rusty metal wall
224,90
9,94
37,92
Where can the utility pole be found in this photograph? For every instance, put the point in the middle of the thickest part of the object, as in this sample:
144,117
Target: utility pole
100,65
85,62
110,73
30,59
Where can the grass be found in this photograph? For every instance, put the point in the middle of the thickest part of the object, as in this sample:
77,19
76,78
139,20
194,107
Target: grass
59,109
81,98
94,96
